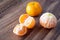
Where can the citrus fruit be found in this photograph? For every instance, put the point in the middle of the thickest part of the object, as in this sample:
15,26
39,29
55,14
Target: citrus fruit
33,8
27,20
23,17
48,20
20,30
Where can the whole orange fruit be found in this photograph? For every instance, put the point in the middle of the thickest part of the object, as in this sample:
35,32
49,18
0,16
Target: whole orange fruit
33,8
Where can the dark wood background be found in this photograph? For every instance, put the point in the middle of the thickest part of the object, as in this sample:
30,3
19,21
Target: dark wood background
10,10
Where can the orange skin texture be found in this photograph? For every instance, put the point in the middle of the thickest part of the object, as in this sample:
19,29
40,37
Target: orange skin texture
22,19
33,8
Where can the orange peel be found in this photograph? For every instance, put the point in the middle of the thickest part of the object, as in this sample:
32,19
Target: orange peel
33,8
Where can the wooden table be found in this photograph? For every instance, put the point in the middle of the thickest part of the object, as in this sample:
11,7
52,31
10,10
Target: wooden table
9,14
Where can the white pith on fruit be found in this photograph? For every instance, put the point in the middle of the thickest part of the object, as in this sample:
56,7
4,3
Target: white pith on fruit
29,22
19,28
48,20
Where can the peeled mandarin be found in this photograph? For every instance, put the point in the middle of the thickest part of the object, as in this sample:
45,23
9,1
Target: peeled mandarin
33,8
20,30
48,20
23,17
27,20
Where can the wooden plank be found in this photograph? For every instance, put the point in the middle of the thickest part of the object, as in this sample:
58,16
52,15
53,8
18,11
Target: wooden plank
41,34
33,33
53,34
8,34
10,19
5,4
58,38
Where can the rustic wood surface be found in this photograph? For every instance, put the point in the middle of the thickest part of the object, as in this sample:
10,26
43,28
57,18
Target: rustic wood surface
12,9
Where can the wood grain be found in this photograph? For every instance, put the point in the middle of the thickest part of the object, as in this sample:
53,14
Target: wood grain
6,4
9,18
58,38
